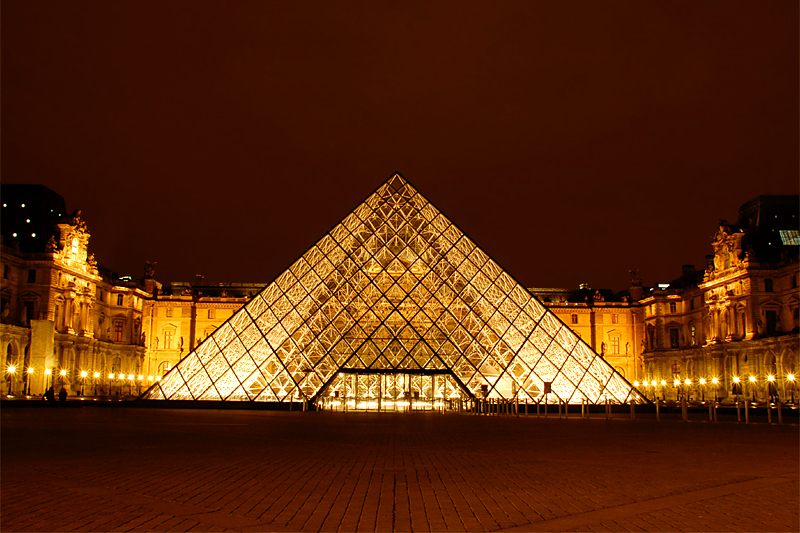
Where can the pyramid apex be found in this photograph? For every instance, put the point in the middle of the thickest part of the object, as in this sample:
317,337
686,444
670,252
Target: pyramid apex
397,181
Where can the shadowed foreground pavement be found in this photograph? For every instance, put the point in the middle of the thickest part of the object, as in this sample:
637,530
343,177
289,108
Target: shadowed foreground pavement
127,469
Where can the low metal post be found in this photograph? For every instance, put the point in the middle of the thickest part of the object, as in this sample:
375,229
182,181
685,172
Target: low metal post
608,410
746,413
710,412
780,414
633,410
537,407
769,412
545,406
658,410
684,410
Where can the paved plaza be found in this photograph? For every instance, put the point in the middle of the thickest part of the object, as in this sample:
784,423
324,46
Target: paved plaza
134,469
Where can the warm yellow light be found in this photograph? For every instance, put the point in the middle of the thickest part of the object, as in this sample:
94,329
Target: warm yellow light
752,379
688,382
140,377
84,374
714,381
12,369
46,371
790,377
663,382
30,370
96,374
63,372
149,378
702,381
771,377
636,383
158,378
130,376
736,379
111,376
677,382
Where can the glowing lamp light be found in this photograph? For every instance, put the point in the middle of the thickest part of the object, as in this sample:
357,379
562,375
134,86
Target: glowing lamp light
84,374
702,381
140,377
636,383
663,382
752,379
130,376
158,378
12,369
736,379
771,378
149,378
677,382
111,376
790,377
96,374
30,370
63,372
688,382
714,381
47,371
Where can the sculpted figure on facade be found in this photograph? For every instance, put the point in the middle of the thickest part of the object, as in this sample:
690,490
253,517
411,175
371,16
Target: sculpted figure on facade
636,281
52,245
149,269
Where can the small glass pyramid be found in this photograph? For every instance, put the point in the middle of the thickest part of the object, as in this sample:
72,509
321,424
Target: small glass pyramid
397,295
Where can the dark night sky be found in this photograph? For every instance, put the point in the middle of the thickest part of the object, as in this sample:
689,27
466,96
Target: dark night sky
571,140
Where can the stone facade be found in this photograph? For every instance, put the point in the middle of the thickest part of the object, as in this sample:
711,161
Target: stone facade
61,312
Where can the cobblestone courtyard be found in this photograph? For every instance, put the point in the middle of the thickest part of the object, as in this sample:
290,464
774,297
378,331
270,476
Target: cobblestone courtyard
128,469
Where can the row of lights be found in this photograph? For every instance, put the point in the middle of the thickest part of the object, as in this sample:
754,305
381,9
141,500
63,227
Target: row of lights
702,381
47,371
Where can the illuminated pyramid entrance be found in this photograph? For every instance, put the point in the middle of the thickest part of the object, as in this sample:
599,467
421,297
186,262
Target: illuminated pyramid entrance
394,300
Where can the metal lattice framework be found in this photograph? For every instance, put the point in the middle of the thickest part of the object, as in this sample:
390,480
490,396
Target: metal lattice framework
394,288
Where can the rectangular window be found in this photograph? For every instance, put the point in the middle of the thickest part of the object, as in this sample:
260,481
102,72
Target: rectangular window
117,331
673,338
772,322
120,299
614,345
211,313
768,285
169,312
32,275
673,307
574,319
614,319
691,304
168,340
693,334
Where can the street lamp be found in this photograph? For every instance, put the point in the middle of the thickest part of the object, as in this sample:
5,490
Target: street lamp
30,377
83,380
715,381
11,370
47,373
95,376
790,378
703,389
110,383
130,384
771,388
753,387
62,373
139,378
688,384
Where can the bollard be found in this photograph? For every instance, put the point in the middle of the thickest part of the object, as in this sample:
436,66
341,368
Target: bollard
684,410
746,413
710,412
780,414
769,413
608,411
526,408
537,408
658,410
633,409
545,406
716,413
738,412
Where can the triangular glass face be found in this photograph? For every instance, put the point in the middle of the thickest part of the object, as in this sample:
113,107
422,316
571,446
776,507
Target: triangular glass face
394,290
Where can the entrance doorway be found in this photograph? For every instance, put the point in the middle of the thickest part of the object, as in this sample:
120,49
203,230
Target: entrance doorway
394,391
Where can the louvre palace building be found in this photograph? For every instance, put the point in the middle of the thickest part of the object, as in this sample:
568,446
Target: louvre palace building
395,302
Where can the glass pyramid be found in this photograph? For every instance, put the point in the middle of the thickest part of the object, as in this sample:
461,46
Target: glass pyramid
399,296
